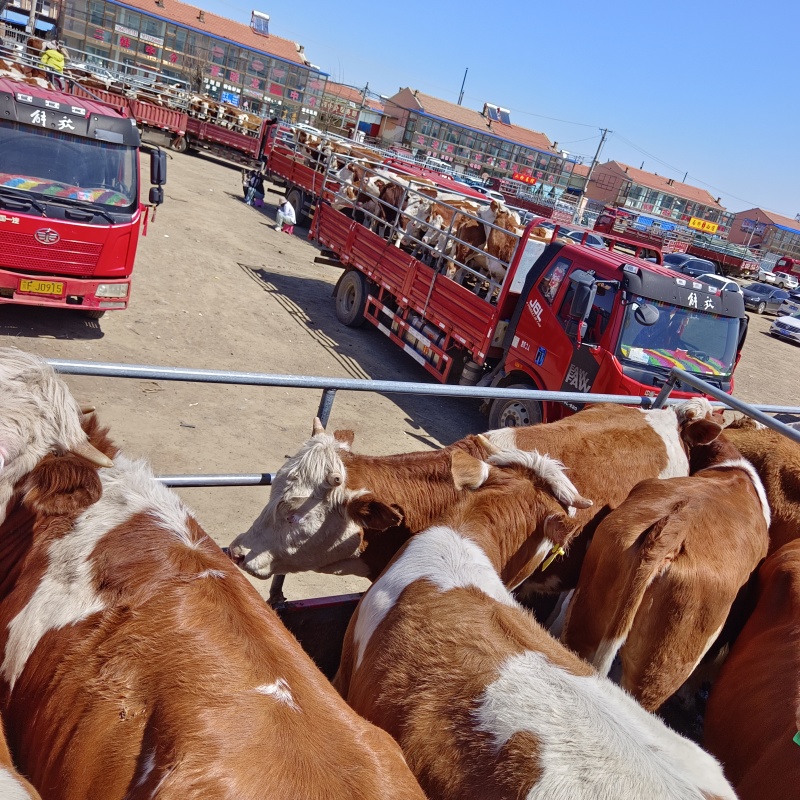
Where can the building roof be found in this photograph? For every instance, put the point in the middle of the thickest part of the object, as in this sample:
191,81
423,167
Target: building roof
770,216
666,185
470,118
218,27
351,94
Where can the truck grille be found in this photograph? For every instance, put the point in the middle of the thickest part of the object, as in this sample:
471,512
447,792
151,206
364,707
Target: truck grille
65,257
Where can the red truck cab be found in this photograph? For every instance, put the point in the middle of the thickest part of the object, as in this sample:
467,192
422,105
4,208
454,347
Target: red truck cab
593,322
70,211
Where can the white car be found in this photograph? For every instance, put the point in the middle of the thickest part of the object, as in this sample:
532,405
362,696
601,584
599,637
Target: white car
718,282
790,306
785,280
787,328
765,275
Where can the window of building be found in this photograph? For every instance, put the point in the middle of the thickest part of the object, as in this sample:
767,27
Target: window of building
153,27
130,19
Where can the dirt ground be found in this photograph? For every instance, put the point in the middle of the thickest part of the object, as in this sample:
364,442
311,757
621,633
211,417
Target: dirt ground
216,287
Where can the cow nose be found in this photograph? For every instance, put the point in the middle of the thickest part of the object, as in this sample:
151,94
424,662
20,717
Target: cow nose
234,554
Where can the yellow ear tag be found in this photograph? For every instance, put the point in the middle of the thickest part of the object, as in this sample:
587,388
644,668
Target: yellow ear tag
557,550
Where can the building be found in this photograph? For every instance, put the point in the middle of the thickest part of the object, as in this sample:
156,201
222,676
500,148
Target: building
15,15
481,143
346,109
767,231
244,65
665,201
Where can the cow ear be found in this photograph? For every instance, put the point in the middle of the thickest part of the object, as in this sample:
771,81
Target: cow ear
701,431
373,514
345,437
62,485
468,472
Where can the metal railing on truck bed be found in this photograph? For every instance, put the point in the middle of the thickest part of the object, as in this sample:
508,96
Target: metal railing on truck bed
319,624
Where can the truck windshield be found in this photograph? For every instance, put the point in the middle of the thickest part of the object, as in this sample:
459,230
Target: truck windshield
47,163
681,337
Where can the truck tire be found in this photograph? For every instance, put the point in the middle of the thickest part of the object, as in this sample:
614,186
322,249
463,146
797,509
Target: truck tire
180,144
762,307
94,313
351,299
510,413
295,197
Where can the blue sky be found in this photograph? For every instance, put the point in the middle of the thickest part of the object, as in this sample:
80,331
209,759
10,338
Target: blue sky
706,87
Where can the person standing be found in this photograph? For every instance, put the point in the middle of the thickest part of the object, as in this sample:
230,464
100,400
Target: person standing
285,219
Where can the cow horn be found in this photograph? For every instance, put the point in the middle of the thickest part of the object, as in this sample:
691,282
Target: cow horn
87,409
490,447
318,427
91,453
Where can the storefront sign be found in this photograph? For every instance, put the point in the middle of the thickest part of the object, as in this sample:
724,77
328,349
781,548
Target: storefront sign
703,225
756,227
126,31
519,176
145,37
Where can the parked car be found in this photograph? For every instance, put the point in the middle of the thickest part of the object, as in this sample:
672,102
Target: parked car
785,280
766,275
791,304
718,282
492,194
787,327
592,239
692,266
760,297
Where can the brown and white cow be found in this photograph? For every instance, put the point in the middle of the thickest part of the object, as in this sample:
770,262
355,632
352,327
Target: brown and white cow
12,785
334,510
777,462
665,567
753,710
137,661
483,701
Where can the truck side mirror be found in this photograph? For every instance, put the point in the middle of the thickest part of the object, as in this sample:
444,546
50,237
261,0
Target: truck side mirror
585,290
646,315
156,195
158,167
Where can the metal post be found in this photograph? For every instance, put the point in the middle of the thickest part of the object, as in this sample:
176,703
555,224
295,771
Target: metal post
665,392
326,405
461,94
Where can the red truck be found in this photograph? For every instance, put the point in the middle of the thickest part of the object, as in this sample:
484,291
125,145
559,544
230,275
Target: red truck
734,260
564,317
70,212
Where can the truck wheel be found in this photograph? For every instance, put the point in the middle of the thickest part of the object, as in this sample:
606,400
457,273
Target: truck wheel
762,307
295,197
351,299
508,413
179,144
94,313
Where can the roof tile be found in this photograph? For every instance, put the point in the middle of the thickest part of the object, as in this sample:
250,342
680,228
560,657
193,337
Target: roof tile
653,181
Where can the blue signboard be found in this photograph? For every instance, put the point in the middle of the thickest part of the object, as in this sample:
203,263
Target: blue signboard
231,98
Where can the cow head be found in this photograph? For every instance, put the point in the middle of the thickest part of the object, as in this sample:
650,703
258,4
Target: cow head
38,417
312,520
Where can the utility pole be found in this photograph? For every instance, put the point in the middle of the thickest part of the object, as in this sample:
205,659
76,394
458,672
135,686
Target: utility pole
582,204
461,94
360,109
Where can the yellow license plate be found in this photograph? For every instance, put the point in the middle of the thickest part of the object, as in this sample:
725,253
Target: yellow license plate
41,287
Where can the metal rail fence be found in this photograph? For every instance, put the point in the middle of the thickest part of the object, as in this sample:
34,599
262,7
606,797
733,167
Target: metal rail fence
330,386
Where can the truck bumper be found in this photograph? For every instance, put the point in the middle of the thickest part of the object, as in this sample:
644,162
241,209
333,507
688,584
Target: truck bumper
63,292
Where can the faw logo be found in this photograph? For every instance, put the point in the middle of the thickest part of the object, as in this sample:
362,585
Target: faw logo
578,378
46,236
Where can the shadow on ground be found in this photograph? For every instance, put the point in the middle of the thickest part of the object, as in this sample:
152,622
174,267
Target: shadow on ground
366,354
32,322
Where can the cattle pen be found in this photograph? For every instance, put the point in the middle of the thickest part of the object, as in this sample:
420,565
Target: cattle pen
319,623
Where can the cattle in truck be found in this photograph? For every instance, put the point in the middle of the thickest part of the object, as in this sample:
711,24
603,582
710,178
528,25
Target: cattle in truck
137,661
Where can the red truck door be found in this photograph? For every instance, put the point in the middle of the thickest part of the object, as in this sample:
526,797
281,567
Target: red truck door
545,344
